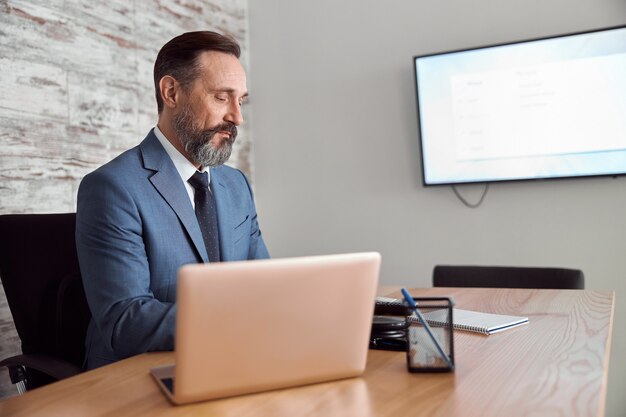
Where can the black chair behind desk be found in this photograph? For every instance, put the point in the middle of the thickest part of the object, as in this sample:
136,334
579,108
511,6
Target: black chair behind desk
41,279
507,277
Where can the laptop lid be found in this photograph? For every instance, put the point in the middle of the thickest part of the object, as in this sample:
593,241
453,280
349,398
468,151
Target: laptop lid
251,326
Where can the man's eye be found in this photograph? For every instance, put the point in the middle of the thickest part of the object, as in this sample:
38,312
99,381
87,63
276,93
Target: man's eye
220,98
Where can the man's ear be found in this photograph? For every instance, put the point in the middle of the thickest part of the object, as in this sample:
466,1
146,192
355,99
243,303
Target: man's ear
170,90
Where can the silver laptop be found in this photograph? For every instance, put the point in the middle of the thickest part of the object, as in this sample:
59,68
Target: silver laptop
245,327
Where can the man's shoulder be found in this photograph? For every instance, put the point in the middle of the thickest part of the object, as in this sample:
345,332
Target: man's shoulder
125,162
128,162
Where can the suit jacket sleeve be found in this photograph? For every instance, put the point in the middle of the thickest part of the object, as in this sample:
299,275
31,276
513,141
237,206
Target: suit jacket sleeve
116,270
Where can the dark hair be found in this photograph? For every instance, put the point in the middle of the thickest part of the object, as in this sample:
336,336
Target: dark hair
177,58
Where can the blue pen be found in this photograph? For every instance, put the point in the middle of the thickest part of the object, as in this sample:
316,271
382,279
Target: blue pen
409,299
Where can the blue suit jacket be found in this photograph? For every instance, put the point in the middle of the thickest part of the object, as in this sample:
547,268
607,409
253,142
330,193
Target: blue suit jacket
135,227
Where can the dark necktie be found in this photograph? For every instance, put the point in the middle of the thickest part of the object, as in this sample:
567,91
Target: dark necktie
206,213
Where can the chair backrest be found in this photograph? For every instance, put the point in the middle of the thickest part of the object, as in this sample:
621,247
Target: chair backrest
507,277
41,278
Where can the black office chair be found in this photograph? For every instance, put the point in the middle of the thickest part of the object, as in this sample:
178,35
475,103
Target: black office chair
507,277
41,279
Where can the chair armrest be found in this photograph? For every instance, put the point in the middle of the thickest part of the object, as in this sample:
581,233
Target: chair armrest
56,368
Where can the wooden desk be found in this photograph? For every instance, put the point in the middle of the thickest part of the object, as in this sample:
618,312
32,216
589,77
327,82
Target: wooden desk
555,365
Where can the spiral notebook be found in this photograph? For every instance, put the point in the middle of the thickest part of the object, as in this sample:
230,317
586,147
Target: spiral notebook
476,321
471,321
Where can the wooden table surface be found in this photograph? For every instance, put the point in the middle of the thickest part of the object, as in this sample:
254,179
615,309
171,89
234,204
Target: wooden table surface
556,365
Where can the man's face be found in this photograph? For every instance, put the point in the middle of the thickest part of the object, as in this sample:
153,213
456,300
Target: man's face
206,123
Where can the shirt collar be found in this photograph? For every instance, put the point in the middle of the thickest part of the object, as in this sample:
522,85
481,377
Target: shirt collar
185,168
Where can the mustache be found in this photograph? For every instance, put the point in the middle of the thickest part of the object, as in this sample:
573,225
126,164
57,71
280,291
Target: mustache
227,127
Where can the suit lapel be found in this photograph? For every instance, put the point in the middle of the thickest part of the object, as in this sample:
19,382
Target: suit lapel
168,183
225,212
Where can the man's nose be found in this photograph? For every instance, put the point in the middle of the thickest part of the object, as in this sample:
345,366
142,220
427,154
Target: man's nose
234,114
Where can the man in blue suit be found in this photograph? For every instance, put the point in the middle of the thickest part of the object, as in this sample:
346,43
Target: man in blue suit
139,218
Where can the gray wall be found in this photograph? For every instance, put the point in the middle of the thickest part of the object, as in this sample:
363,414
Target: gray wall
337,164
77,90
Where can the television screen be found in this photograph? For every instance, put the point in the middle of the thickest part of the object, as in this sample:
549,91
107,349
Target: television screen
537,109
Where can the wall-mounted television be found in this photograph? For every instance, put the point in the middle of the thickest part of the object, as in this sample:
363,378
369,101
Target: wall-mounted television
536,109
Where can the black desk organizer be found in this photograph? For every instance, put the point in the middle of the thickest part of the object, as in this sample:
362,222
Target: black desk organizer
429,348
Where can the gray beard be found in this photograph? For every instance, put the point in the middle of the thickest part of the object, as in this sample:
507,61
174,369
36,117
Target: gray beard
199,143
